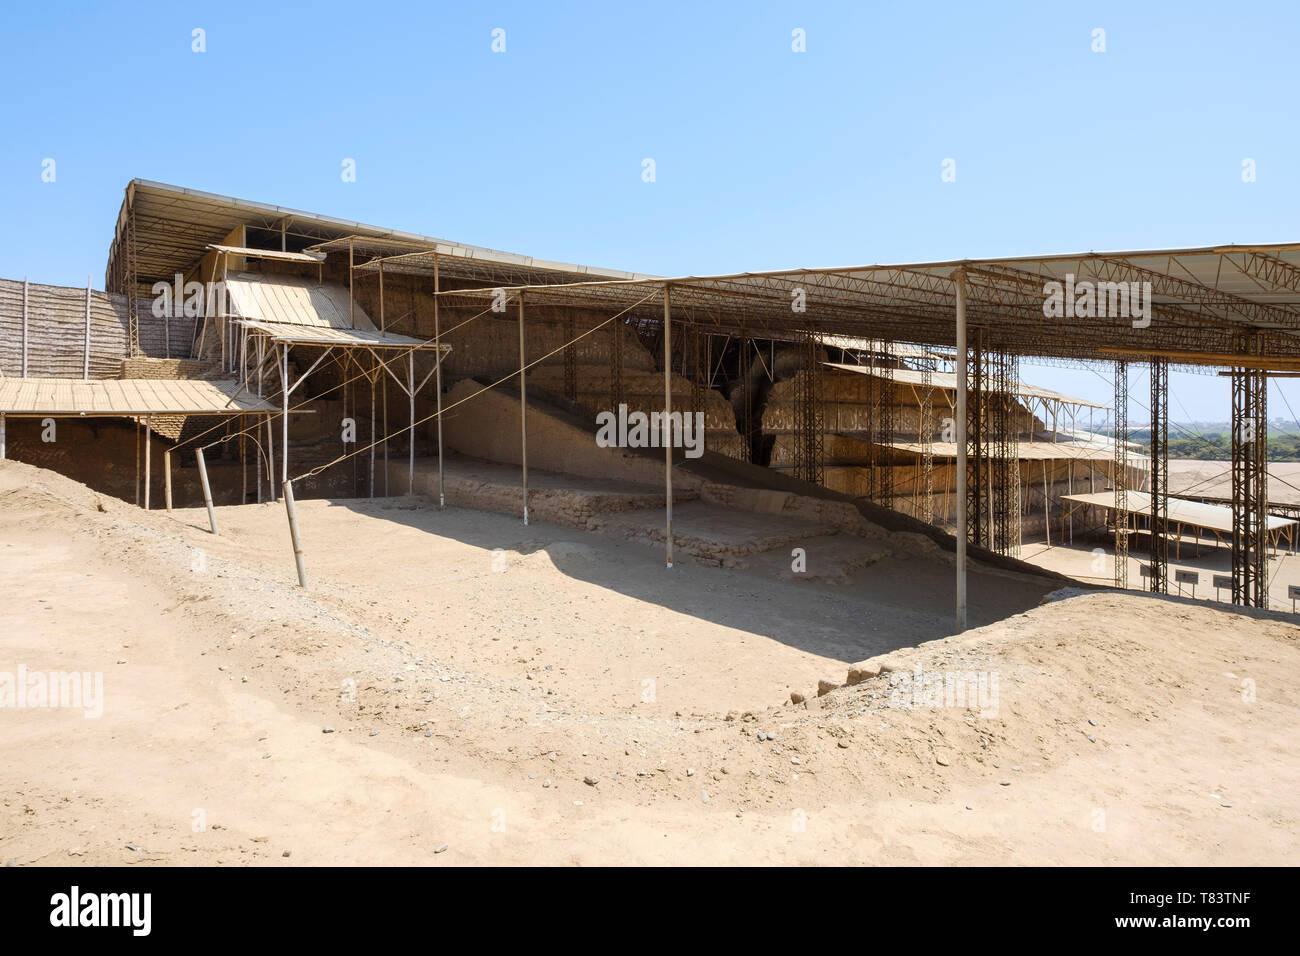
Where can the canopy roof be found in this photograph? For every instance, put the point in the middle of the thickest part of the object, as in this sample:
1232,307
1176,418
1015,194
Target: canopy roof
1181,511
163,229
1217,306
948,382
340,338
125,397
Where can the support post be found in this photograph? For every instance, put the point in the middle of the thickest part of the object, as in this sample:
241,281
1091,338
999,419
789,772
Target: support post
667,440
207,489
372,378
960,282
167,479
25,299
284,424
410,391
437,350
294,535
3,439
523,406
85,365
270,455
148,460
1120,475
1159,476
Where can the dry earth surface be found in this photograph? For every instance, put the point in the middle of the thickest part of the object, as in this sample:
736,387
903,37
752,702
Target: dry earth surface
501,694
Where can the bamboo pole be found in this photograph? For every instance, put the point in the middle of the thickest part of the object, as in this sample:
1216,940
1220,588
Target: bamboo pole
960,283
372,425
25,298
668,445
523,406
437,351
410,390
294,536
148,469
284,425
85,367
207,489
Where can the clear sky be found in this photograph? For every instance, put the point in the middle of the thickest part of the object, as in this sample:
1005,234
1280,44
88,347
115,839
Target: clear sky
764,158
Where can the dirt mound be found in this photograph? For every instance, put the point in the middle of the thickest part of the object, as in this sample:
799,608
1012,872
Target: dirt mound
474,673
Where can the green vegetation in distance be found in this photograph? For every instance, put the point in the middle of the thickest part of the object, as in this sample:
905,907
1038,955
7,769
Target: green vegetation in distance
1213,441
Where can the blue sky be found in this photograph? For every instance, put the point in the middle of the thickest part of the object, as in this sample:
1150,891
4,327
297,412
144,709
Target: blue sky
765,158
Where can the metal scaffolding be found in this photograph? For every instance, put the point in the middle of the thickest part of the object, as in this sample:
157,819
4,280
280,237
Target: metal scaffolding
1121,475
977,502
1003,446
1159,481
616,395
1249,487
570,357
744,372
925,437
809,449
883,416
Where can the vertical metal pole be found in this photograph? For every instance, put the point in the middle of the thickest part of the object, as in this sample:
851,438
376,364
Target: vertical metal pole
167,478
148,469
1047,507
25,296
437,349
410,391
137,463
261,355
284,424
293,534
960,282
85,366
270,455
523,406
352,322
3,452
207,489
667,424
373,372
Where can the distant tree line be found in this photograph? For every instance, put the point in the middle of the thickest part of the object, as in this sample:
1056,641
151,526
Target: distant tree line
1216,445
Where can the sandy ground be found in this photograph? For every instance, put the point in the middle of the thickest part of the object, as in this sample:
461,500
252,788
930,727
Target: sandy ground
475,672
1214,479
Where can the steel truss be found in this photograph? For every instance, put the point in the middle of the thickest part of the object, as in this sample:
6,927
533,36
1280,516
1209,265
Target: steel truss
883,419
809,449
977,502
1121,474
570,357
1249,487
1159,580
925,436
1003,447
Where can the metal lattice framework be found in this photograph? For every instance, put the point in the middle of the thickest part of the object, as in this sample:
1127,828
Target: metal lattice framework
1159,481
925,437
1249,487
1004,451
1234,307
884,425
1121,474
809,431
977,501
